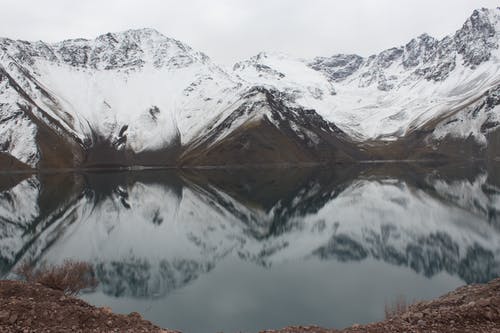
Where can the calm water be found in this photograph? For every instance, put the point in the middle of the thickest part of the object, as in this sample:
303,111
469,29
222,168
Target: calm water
243,250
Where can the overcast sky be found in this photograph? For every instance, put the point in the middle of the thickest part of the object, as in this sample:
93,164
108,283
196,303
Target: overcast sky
232,30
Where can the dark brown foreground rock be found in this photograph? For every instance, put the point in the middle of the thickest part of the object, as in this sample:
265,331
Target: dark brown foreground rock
35,308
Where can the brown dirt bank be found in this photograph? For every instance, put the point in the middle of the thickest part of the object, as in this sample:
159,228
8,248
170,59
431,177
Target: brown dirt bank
34,308
28,307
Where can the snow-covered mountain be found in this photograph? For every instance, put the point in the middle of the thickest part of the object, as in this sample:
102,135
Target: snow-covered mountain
114,97
444,88
138,97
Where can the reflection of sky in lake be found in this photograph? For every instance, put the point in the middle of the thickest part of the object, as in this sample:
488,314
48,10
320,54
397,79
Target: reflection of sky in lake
246,250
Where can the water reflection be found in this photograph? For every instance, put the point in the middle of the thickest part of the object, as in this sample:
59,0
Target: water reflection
186,241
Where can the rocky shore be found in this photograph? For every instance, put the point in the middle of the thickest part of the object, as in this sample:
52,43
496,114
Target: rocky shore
27,307
34,308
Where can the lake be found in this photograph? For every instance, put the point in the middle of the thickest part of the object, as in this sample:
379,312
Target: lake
239,250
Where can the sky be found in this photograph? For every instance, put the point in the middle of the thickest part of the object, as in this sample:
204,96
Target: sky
232,30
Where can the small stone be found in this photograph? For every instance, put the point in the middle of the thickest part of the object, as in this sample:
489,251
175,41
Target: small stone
484,302
490,315
421,322
106,309
356,326
109,323
418,315
13,318
471,304
4,315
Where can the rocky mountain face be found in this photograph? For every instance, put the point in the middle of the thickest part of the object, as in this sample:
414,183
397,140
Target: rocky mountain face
140,98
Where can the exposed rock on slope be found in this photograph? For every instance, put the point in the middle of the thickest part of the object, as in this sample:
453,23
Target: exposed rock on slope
265,129
140,98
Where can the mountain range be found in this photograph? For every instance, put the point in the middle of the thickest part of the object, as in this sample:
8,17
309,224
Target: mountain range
140,98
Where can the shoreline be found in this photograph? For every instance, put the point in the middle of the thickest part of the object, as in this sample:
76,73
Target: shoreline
27,307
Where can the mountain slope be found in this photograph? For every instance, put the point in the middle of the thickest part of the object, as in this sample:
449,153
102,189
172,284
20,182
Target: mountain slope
140,98
387,95
115,96
266,129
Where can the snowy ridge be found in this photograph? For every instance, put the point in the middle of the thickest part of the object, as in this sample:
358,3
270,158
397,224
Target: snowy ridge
477,119
388,94
138,92
136,89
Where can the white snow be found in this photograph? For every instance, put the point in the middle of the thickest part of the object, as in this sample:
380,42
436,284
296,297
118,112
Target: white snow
364,111
17,132
183,86
154,90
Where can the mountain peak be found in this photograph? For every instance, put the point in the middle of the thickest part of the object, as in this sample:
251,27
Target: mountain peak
143,31
488,13
425,36
134,34
478,36
483,18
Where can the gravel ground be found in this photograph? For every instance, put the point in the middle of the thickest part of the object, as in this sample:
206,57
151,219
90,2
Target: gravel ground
28,307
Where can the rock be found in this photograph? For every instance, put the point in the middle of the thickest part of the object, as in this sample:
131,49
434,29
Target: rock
405,316
421,322
484,302
13,318
134,314
107,309
490,315
4,315
418,315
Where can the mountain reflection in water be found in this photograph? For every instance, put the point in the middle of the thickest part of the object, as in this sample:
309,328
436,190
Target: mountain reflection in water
239,249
